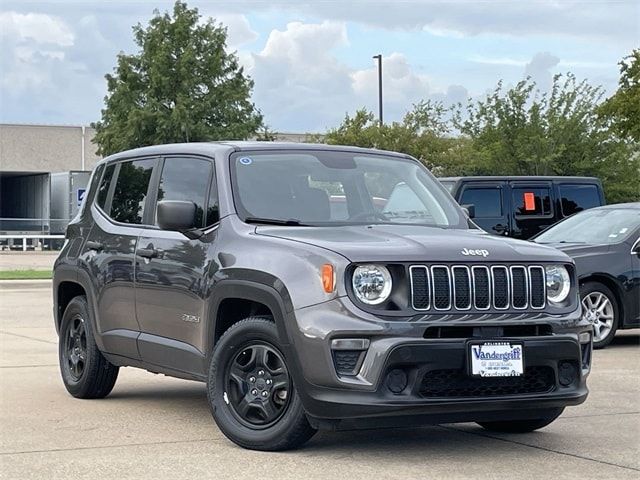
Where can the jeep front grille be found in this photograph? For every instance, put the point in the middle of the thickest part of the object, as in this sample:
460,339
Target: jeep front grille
478,287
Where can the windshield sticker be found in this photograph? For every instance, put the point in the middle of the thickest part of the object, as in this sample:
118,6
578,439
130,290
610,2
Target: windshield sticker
246,161
623,230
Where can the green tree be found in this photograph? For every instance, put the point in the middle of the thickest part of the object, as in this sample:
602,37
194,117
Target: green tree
181,86
623,108
422,133
521,131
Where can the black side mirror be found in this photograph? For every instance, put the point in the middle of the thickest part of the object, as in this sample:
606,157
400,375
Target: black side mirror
470,210
176,215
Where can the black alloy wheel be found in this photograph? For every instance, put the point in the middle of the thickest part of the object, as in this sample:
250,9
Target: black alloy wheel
75,347
258,385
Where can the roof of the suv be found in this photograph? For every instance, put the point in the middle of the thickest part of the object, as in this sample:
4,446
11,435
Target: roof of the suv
489,178
209,148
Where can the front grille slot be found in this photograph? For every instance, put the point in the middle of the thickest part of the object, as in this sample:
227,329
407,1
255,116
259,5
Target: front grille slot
479,287
500,287
519,287
461,287
456,383
420,288
441,287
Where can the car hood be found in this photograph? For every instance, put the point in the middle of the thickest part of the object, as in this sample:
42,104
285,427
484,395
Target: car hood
414,243
577,250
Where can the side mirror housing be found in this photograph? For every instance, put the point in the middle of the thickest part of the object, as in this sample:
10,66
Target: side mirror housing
176,215
470,210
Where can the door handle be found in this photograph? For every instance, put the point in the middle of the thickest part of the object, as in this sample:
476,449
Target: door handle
97,246
148,252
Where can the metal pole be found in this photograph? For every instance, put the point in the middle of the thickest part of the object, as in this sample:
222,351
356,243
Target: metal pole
379,58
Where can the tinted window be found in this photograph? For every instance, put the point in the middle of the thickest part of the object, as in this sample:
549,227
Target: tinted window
103,189
531,201
487,201
302,186
576,198
596,226
131,191
186,179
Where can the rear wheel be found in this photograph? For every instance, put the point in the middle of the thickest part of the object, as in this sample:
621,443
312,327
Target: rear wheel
600,308
85,372
523,426
251,392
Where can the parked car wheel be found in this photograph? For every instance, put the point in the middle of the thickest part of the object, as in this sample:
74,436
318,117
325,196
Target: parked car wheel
524,426
599,306
251,392
85,371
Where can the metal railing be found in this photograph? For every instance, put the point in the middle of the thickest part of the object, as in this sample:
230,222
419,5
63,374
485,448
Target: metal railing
25,245
32,233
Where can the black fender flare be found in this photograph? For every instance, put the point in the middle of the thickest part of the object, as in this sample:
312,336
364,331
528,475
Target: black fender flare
249,290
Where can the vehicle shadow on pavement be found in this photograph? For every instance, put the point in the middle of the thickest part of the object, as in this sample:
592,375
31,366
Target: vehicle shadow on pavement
625,340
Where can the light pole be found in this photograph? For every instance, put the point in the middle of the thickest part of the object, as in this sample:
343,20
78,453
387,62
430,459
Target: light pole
379,58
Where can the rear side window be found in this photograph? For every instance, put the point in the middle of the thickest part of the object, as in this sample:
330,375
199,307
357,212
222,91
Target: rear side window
575,198
531,201
130,194
486,201
103,189
186,179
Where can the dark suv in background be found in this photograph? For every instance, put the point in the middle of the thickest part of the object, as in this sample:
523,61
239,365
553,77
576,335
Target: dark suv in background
311,287
521,207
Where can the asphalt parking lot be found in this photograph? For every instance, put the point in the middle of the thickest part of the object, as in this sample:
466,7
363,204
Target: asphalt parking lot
157,427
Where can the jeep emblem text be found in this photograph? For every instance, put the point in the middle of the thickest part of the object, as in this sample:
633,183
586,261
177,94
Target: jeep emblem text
467,251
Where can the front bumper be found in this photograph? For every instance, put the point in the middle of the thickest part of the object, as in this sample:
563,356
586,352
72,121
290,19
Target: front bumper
436,388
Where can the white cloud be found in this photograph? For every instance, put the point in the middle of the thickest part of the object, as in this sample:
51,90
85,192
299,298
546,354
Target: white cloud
301,84
239,32
507,61
615,21
38,27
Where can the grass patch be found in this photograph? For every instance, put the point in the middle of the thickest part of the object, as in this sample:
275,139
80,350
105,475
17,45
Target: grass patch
25,274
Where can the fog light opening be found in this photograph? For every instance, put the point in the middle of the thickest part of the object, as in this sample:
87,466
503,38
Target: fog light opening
567,373
396,381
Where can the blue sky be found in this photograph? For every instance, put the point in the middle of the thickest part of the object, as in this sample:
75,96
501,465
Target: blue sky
311,61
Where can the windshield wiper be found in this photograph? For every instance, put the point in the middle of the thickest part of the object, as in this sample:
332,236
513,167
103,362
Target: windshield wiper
276,221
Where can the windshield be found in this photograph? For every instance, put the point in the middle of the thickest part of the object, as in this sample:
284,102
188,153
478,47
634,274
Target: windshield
339,188
594,227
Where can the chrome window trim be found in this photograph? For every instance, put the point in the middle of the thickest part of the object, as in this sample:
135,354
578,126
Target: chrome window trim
453,286
433,286
426,269
526,286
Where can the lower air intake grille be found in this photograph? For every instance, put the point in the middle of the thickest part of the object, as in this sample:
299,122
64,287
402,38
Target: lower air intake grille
456,383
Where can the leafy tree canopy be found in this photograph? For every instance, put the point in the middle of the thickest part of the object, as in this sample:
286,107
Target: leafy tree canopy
181,86
514,131
623,108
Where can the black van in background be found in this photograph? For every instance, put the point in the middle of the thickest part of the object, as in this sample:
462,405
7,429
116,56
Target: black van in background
521,207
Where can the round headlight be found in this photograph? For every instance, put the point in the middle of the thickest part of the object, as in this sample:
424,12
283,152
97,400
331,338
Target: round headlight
371,284
558,283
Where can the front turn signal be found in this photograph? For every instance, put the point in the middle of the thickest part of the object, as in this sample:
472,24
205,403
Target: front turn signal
328,278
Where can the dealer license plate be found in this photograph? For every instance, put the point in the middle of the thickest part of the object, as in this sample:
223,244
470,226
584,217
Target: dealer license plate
496,359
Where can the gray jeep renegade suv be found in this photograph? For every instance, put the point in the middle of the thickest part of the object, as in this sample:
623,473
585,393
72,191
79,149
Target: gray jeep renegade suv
310,287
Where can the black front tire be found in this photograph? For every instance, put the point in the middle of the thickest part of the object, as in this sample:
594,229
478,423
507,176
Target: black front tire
290,429
523,426
85,371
